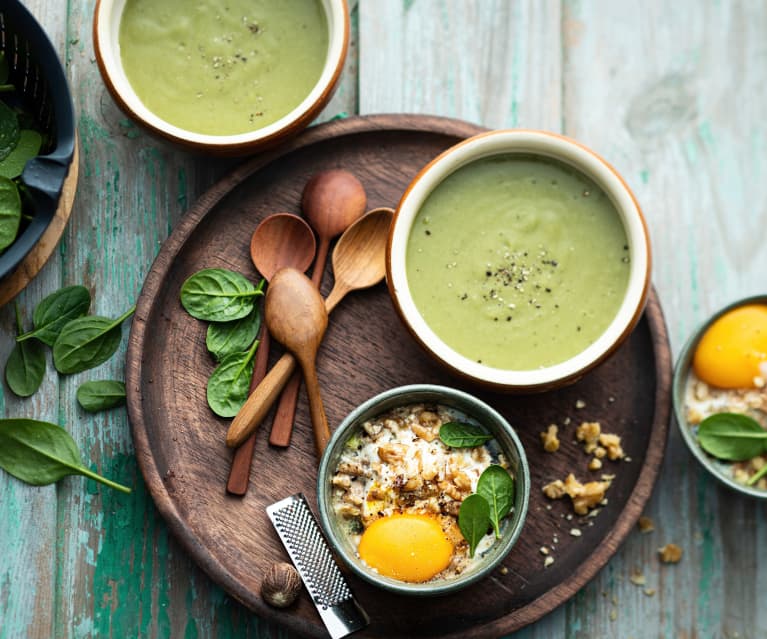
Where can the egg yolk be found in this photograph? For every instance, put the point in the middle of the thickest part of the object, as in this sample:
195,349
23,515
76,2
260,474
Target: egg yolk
408,547
730,351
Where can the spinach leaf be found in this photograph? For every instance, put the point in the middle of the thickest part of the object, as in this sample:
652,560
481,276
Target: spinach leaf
225,338
229,383
101,395
55,311
28,147
10,212
87,341
474,520
732,436
9,130
25,368
460,435
41,453
496,485
219,295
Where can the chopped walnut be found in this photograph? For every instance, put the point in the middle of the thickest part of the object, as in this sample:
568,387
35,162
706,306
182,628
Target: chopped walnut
637,578
550,440
580,404
548,561
584,496
649,591
670,554
588,432
555,489
694,416
645,524
613,445
595,464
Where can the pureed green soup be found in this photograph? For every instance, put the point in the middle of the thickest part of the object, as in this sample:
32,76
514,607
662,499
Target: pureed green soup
517,262
223,67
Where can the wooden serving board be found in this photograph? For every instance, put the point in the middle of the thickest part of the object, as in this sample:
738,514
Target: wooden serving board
180,442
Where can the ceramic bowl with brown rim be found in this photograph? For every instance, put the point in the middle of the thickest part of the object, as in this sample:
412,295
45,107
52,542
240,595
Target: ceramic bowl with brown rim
225,79
519,260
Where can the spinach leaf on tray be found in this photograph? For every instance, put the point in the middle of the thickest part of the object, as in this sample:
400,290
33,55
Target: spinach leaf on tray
41,453
229,383
225,338
219,295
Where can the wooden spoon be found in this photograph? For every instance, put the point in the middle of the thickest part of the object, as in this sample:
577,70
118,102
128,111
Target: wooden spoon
359,261
279,241
296,317
332,201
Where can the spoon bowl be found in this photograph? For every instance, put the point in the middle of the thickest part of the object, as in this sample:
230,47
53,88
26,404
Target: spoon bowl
296,317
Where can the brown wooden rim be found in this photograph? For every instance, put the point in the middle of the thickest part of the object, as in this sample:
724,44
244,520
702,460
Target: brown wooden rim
573,377
290,130
201,554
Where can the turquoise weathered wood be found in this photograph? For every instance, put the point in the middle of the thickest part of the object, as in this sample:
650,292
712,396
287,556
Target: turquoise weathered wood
672,94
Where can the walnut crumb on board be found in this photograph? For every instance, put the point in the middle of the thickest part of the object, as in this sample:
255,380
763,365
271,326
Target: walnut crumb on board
584,496
637,578
549,439
670,553
548,561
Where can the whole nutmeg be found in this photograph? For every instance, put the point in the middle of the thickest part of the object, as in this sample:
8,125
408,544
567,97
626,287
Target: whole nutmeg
281,585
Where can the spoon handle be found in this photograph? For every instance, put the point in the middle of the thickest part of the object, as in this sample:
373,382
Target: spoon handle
317,410
239,472
260,401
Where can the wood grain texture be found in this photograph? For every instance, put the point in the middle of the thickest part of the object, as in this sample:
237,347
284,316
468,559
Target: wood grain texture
180,443
672,94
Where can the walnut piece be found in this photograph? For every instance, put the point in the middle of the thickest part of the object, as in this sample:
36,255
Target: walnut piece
645,524
670,553
583,496
588,433
549,439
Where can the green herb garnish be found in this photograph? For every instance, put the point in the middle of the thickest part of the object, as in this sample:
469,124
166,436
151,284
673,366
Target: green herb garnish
41,453
497,487
732,436
226,338
474,520
461,435
101,395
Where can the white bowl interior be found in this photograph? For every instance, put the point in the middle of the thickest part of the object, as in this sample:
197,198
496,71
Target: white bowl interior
108,18
542,145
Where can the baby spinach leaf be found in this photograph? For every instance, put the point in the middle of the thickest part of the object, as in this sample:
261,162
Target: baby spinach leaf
229,383
460,435
55,311
41,453
9,130
732,436
87,341
28,147
25,368
10,212
99,395
474,520
219,295
225,338
496,485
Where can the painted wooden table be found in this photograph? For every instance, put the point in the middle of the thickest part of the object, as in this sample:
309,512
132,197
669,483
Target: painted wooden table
673,94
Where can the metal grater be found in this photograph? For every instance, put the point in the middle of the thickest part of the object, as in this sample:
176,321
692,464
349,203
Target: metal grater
300,534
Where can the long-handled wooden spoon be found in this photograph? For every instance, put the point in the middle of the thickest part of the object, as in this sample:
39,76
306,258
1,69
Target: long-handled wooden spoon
296,317
280,240
359,261
332,201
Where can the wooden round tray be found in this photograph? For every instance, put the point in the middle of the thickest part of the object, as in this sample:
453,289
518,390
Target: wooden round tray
180,442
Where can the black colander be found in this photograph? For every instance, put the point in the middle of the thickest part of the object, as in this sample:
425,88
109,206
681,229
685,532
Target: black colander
42,90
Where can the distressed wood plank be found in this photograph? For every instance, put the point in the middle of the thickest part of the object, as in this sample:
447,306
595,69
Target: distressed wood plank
673,95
